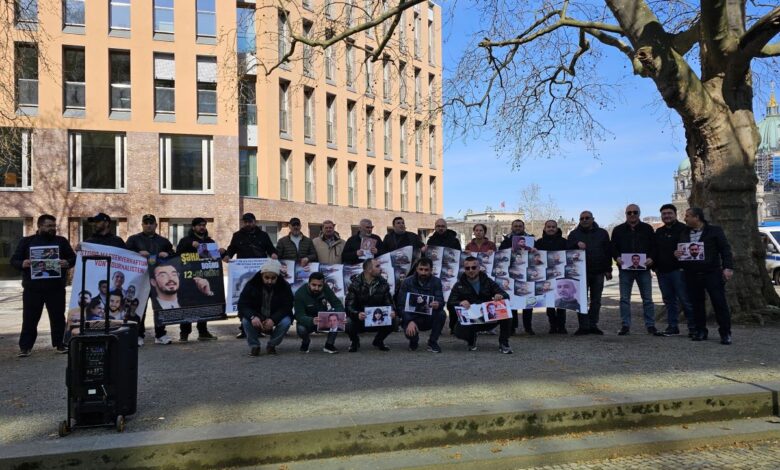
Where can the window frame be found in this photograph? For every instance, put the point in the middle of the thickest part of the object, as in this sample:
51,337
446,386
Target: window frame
75,156
207,164
25,160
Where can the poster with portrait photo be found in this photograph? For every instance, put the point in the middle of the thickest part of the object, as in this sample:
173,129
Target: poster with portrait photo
691,251
240,271
334,278
208,250
501,262
522,243
386,270
186,289
367,244
496,310
128,281
507,284
436,255
575,256
567,294
418,303
350,271
470,316
545,290
302,274
518,266
538,259
633,261
556,258
555,272
485,261
331,321
378,316
535,274
287,270
520,292
45,262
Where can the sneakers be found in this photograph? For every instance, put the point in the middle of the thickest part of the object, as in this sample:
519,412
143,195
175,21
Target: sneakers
184,337
472,345
594,330
61,349
305,346
164,339
241,335
206,336
725,339
671,331
380,345
24,353
330,349
255,351
434,347
624,330
140,341
581,332
354,346
651,330
271,350
505,349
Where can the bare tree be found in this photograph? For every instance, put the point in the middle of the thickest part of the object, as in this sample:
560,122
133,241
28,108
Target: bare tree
537,209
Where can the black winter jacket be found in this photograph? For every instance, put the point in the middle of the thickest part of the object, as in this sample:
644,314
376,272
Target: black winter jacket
717,251
462,290
598,250
448,240
666,240
23,252
507,241
393,241
251,300
362,294
552,243
108,239
637,239
154,244
185,244
250,244
349,255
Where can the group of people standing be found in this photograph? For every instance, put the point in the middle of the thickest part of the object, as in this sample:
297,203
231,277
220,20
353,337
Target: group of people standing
267,305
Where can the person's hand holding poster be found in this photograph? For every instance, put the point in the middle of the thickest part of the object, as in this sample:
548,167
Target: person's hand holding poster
45,262
367,248
209,250
633,261
495,311
331,322
378,316
470,316
418,303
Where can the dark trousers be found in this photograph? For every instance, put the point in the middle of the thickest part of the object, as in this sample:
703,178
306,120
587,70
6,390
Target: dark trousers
186,328
557,318
433,322
304,332
712,283
595,286
33,301
453,318
469,332
528,316
354,328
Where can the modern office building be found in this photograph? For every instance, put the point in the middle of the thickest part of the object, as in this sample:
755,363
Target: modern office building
181,108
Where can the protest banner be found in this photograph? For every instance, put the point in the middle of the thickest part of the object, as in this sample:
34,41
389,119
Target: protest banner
334,278
302,273
187,288
240,271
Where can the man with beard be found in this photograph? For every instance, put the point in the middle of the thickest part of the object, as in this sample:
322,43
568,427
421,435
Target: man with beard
115,305
399,237
566,291
249,242
197,235
423,283
668,270
102,235
442,236
311,299
328,245
266,303
49,292
518,230
367,289
353,249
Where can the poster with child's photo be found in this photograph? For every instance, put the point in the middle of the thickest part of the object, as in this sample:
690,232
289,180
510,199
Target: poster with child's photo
418,303
378,316
331,322
691,251
633,261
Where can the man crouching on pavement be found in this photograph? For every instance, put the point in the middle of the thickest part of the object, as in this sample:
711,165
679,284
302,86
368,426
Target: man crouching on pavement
423,282
266,305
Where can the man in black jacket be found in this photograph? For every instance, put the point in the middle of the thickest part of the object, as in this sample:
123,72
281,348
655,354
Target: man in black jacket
518,230
669,272
249,242
399,237
197,235
102,232
475,287
552,240
266,304
442,236
151,245
368,289
594,240
354,251
709,274
635,236
49,292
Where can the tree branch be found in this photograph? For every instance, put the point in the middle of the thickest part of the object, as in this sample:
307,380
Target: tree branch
683,41
770,50
754,40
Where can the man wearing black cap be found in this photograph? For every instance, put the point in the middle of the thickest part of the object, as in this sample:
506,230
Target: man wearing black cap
102,232
189,244
249,242
151,245
296,246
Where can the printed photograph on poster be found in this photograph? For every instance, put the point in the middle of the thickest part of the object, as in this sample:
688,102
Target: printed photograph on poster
287,270
418,303
436,255
566,294
634,261
240,271
535,301
331,321
366,245
45,262
470,316
691,251
556,258
506,284
575,256
209,250
495,311
521,243
537,260
501,262
350,271
524,288
302,274
571,271
485,261
544,287
378,316
334,278
554,272
534,274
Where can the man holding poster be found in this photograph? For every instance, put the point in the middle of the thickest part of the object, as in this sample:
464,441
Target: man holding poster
49,292
364,245
424,283
310,300
266,304
367,289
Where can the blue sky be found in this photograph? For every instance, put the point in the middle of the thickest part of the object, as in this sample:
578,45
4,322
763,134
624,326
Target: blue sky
635,164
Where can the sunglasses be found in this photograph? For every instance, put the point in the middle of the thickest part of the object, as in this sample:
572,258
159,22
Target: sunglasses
632,212
471,268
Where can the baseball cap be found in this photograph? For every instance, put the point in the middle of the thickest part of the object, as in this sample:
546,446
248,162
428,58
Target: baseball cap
100,217
149,218
198,221
248,217
295,221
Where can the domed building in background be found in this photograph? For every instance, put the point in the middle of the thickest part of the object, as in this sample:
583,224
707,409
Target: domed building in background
767,168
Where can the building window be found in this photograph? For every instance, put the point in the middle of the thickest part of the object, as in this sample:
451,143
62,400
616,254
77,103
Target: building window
418,189
352,184
245,36
26,76
371,186
306,4
11,233
404,191
331,180
402,39
309,176
163,16
387,125
186,163
206,21
308,113
432,147
386,78
330,103
402,144
402,83
351,125
369,12
330,66
119,75
388,189
370,130
207,89
431,58
285,175
417,89
15,158
431,93
75,79
73,13
283,35
26,14
349,8
350,72
247,172
97,161
418,137
164,84
308,65
416,30
284,108
247,102
432,200
369,65
119,15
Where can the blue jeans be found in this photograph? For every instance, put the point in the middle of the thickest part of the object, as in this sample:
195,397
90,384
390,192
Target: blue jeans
277,335
672,286
433,322
305,332
645,284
